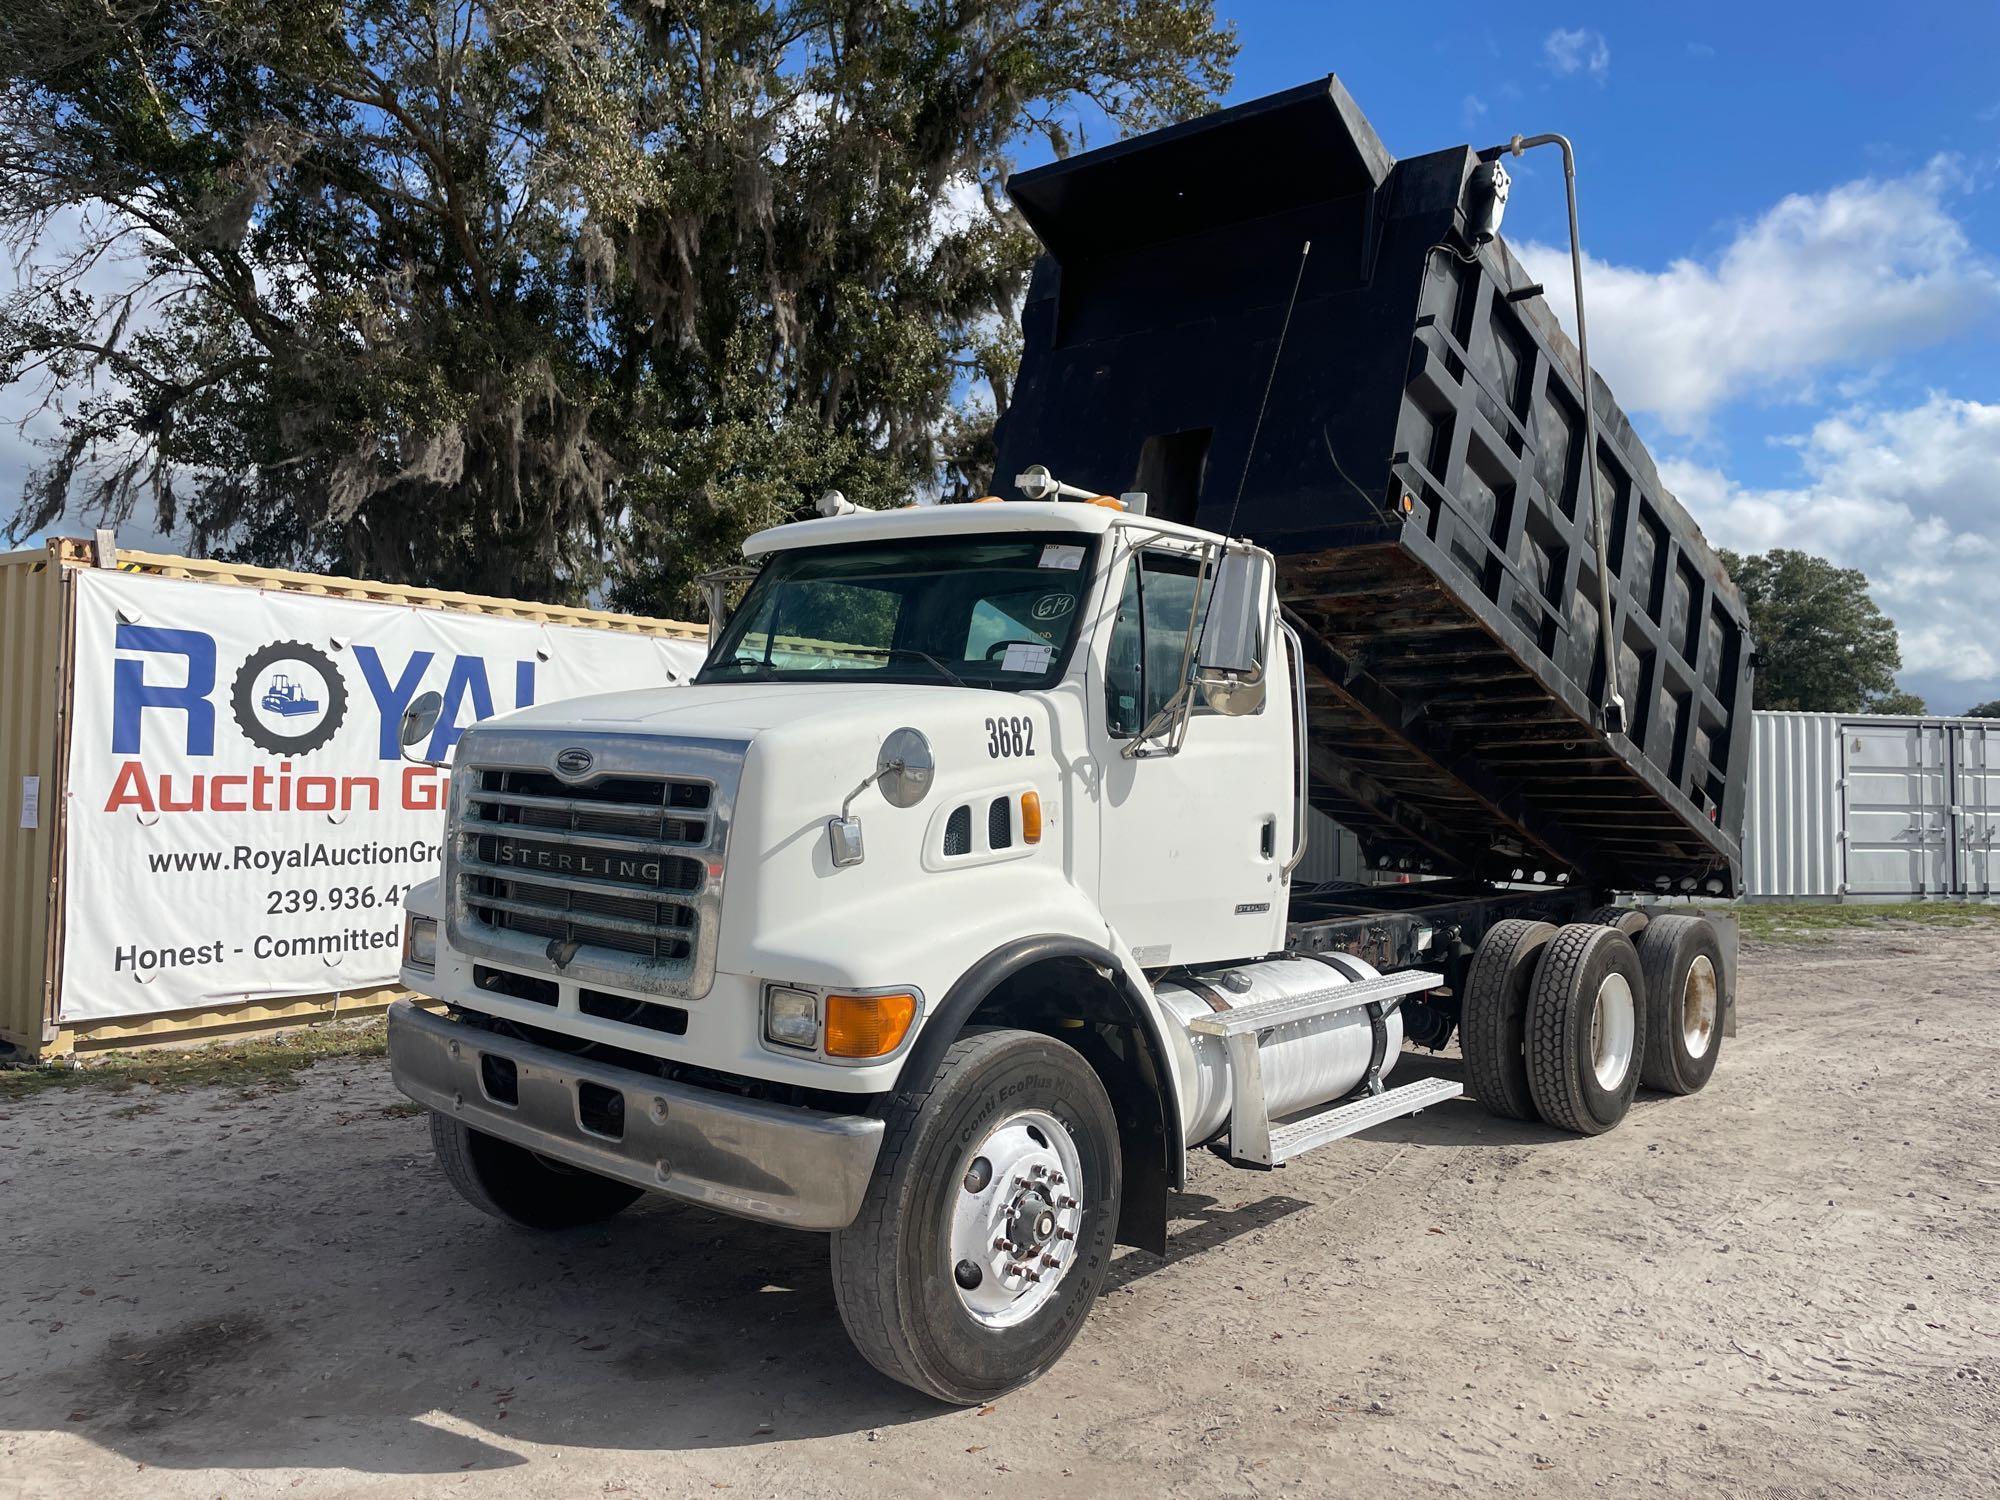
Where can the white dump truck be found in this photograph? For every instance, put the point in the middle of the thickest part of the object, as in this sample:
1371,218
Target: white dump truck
957,903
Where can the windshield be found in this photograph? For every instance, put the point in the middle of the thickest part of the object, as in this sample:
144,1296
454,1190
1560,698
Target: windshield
987,611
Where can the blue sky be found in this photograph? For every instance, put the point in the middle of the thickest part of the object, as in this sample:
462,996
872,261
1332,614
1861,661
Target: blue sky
1794,241
1795,255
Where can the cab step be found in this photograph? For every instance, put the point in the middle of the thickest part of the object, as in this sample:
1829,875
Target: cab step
1254,1141
1335,1121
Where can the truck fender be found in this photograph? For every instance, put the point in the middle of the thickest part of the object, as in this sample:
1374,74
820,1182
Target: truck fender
1147,1183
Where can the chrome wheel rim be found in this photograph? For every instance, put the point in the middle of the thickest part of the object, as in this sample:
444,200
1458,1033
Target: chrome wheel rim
1700,1004
1015,1219
1613,1024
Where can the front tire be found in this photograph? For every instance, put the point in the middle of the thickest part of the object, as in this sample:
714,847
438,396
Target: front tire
515,1185
1011,1143
1586,1028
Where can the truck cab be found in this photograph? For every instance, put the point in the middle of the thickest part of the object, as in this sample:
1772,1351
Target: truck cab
943,763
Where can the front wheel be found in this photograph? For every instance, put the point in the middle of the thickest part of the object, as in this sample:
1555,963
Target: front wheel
987,1230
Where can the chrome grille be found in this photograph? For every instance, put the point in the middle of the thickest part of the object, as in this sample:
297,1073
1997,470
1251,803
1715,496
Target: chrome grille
613,878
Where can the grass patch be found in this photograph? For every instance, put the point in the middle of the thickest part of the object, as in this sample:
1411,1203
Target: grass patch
1804,922
258,1062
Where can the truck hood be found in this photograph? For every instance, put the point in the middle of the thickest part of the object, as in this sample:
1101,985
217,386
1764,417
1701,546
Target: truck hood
742,710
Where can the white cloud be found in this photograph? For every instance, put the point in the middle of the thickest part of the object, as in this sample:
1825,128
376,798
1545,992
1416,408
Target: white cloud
1578,51
960,206
1906,496
1828,281
1471,110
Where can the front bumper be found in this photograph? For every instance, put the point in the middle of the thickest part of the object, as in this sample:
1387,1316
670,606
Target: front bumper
802,1168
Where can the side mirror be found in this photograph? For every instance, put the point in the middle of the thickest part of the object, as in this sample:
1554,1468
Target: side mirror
420,718
1229,667
1232,637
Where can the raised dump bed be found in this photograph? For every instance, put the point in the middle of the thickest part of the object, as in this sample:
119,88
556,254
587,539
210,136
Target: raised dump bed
1417,472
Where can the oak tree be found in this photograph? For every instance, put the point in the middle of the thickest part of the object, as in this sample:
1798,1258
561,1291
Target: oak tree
535,297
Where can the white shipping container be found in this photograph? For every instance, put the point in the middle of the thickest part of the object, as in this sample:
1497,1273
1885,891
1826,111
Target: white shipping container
1871,807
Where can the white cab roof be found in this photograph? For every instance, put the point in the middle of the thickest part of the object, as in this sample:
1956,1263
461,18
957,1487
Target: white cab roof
958,520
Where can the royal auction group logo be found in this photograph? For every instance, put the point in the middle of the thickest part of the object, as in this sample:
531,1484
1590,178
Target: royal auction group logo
288,698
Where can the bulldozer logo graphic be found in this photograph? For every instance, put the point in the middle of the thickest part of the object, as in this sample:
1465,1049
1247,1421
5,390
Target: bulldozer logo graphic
288,698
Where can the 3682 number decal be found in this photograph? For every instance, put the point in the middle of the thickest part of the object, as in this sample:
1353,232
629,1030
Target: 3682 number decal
1008,738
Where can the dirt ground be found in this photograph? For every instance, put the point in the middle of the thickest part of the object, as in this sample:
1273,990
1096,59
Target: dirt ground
1788,1285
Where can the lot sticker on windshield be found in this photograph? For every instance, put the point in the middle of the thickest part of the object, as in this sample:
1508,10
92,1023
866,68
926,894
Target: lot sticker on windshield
1057,555
1023,657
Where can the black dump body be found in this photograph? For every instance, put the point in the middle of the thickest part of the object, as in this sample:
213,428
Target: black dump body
1418,476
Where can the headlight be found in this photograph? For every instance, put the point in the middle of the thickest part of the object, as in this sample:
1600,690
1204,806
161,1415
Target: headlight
791,1017
420,943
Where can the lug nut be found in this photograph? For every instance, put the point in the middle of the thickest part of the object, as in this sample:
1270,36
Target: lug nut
1049,1261
1027,1275
1066,1202
1004,1246
1065,1234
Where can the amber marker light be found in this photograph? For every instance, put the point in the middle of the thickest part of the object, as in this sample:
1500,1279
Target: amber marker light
1031,817
867,1025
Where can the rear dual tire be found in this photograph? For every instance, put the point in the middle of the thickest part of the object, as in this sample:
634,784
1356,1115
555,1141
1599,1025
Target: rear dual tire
1681,959
1586,1029
1493,1017
1552,1025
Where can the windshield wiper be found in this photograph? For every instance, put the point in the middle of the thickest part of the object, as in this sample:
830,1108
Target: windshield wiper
956,680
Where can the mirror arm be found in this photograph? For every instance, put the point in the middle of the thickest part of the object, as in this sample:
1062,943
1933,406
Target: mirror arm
1178,711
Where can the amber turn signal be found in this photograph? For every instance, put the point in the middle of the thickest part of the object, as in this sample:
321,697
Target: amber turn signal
1031,817
867,1025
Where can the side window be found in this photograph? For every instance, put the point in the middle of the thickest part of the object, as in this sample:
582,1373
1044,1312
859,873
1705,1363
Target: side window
1124,683
1149,639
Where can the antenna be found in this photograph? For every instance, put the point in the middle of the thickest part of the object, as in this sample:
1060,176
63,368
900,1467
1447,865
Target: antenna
1269,380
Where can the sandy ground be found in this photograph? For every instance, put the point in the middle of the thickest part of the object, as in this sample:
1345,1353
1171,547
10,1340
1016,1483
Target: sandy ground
1788,1285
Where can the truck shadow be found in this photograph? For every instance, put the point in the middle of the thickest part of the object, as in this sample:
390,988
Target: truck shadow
436,1341
377,1325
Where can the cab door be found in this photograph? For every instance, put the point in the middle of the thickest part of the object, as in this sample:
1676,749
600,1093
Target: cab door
1192,845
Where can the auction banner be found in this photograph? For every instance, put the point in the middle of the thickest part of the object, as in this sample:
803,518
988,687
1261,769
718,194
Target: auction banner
242,824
